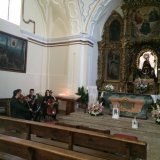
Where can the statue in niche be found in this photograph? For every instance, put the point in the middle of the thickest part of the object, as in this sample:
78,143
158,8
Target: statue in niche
146,70
113,63
114,31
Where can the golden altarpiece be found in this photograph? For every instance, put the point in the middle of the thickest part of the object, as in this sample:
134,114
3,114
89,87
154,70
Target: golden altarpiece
129,52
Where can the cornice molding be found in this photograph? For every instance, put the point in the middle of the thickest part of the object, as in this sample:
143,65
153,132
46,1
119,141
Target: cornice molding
83,39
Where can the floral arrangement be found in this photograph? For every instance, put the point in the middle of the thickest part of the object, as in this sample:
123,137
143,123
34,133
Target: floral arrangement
141,85
156,112
109,87
95,109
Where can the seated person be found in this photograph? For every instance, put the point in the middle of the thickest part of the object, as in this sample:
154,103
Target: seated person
32,102
31,99
54,104
49,105
44,103
18,107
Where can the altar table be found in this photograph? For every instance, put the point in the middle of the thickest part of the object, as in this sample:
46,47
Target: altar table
70,102
129,105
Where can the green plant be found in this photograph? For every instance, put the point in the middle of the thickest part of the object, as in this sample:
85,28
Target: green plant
84,95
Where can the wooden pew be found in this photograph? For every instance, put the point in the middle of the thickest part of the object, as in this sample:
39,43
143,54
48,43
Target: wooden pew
114,147
37,151
83,127
5,106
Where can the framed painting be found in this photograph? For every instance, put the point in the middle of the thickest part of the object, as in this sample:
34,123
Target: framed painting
112,65
145,22
13,53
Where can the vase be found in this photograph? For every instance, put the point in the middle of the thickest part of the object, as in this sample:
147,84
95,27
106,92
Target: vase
95,113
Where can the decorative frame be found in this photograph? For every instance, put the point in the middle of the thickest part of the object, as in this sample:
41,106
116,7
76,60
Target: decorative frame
112,65
107,45
142,52
13,53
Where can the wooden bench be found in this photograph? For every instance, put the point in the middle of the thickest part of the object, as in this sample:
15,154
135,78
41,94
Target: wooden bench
4,106
83,127
116,148
37,151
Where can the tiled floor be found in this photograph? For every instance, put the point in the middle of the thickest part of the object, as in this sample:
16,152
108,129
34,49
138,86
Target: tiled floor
148,131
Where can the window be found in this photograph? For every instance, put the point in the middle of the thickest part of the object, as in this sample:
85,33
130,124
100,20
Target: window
10,10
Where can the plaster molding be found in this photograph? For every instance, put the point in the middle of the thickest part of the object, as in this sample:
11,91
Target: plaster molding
100,8
51,41
74,16
75,26
43,5
86,8
72,8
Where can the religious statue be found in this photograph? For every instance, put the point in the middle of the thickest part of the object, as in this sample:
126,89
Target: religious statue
113,65
145,28
147,70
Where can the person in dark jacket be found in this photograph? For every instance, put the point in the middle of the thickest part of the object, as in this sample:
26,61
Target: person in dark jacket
18,106
31,99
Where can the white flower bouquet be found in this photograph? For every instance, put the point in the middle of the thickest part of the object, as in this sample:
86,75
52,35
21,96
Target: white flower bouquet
95,109
109,87
141,85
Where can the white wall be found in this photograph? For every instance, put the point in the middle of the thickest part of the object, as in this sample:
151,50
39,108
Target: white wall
60,68
35,76
68,68
92,65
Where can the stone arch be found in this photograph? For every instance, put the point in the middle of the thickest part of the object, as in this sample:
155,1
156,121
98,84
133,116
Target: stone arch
99,16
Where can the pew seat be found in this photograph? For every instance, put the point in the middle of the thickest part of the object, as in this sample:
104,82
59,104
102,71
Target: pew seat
37,151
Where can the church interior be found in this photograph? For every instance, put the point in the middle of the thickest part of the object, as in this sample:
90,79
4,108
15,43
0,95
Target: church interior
80,79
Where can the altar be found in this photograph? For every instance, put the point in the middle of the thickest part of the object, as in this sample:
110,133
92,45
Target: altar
70,102
129,105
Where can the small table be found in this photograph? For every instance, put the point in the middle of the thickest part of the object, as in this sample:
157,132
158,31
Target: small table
70,102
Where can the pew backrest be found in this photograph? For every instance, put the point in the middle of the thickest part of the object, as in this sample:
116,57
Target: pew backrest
83,127
79,137
5,106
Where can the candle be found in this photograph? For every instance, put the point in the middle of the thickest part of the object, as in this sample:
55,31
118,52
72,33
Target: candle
134,123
